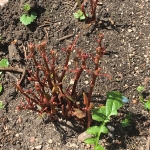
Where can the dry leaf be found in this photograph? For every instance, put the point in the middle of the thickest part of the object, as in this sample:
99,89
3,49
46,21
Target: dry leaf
78,113
85,100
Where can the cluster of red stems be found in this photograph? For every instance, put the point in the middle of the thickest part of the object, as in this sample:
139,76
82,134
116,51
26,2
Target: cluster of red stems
49,95
93,4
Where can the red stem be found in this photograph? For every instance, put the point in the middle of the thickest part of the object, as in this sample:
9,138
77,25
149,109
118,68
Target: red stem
83,66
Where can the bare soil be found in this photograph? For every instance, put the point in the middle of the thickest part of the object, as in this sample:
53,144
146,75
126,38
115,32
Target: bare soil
126,30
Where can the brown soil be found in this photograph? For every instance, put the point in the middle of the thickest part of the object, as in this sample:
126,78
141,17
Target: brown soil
127,61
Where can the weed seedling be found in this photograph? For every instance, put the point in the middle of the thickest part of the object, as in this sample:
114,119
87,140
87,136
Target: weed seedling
81,14
1,105
102,115
126,121
146,103
3,63
28,17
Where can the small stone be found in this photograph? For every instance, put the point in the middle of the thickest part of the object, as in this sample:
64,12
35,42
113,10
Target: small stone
88,146
84,136
73,145
69,63
129,30
38,147
2,2
72,81
146,80
87,76
50,141
86,82
17,135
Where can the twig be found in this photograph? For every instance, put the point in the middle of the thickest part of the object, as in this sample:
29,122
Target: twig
25,52
76,4
10,74
46,32
65,37
128,58
23,71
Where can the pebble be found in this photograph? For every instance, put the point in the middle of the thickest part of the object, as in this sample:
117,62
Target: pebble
17,135
50,141
2,2
129,30
86,82
84,136
38,147
73,145
87,146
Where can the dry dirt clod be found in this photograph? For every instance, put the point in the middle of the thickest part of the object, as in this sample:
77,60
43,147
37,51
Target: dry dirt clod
13,53
2,2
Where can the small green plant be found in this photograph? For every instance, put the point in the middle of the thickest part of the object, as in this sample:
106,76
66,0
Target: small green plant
1,88
26,7
146,103
1,105
126,121
28,18
79,15
102,115
3,63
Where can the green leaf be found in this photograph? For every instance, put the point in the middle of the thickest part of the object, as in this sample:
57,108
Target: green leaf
82,17
79,12
99,147
1,104
33,15
26,19
140,88
76,15
93,130
129,116
90,140
4,63
114,102
99,114
141,98
125,123
1,88
147,105
103,129
26,7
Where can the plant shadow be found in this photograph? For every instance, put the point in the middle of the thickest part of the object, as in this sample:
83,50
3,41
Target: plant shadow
121,135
